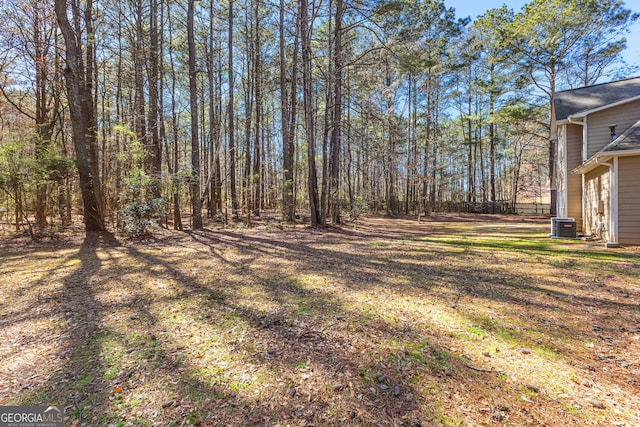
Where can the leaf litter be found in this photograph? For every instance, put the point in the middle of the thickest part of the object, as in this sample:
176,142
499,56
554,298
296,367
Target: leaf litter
460,320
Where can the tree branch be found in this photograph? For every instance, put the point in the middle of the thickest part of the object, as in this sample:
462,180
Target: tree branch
16,106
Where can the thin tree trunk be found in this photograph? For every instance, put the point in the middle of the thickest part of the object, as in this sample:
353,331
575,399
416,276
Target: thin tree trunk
232,144
434,150
425,188
328,122
45,116
174,159
161,117
471,184
349,152
257,75
119,118
552,147
196,204
213,116
249,99
155,147
336,136
389,161
138,65
286,116
305,31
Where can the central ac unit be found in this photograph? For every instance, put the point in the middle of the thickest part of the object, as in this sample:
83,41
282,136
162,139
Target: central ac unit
566,228
563,227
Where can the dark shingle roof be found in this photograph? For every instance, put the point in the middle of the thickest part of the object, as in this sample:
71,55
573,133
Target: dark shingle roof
570,102
629,140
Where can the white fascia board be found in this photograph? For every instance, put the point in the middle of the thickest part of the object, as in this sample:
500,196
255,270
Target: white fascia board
591,164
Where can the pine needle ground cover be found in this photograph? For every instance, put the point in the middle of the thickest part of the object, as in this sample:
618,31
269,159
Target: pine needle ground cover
459,320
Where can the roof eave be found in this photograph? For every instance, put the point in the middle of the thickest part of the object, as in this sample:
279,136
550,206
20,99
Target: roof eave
585,113
588,165
592,162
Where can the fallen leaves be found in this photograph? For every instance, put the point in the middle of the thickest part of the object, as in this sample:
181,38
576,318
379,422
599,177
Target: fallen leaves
325,328
596,403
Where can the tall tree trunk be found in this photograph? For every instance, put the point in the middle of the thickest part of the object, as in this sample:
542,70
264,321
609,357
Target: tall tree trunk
138,65
231,112
305,31
407,192
328,121
173,160
162,127
218,167
428,130
214,125
196,204
434,148
389,160
288,148
154,163
45,116
257,75
552,147
334,205
249,99
492,164
492,138
414,155
349,152
471,170
81,108
119,119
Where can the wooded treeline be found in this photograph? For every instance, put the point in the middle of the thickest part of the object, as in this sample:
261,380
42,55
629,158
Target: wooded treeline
138,111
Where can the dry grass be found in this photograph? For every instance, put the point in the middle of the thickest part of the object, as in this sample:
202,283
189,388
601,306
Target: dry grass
454,321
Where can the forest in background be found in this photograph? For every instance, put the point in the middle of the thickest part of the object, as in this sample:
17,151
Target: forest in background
136,112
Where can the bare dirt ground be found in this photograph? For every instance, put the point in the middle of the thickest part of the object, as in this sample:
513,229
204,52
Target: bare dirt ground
459,320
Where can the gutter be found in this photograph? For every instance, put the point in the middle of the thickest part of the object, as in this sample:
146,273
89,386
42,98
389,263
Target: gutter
602,162
591,162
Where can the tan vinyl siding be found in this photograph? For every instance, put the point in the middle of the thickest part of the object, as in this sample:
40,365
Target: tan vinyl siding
597,190
574,181
560,172
629,200
599,135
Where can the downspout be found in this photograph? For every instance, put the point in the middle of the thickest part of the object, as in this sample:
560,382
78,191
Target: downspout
582,123
613,201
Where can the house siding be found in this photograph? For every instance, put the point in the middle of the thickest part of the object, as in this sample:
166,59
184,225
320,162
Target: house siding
560,172
628,200
596,191
574,180
598,132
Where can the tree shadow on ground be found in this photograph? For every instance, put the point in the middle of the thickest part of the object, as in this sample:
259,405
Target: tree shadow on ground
78,381
295,342
98,388
175,337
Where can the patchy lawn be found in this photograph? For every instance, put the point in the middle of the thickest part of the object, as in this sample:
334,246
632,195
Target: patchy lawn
460,320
